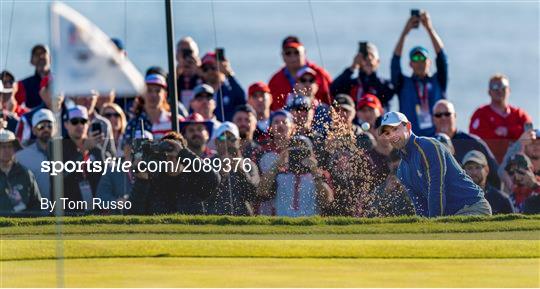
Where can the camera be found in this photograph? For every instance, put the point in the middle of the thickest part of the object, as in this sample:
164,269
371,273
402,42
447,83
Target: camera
155,150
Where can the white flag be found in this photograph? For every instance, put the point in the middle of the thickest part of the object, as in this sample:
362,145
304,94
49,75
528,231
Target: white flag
85,58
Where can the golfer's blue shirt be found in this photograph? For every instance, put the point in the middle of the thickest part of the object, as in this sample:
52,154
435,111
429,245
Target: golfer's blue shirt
435,181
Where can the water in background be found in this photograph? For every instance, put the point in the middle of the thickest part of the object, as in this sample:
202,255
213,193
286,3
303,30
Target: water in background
481,38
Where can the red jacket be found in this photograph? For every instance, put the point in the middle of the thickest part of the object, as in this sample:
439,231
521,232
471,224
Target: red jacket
485,121
280,86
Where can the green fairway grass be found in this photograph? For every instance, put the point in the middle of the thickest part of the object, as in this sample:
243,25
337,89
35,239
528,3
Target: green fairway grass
271,272
110,251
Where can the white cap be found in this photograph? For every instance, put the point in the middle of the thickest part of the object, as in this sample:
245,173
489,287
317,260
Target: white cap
392,118
227,127
41,115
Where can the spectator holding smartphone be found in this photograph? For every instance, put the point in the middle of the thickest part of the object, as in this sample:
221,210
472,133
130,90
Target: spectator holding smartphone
367,82
526,183
419,92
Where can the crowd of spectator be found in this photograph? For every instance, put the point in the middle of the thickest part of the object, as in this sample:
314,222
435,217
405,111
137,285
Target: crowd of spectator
311,144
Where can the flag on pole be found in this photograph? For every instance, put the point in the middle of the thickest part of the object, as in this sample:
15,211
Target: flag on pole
85,58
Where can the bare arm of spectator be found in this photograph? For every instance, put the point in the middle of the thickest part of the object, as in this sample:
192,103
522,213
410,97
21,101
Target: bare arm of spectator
408,26
435,39
395,67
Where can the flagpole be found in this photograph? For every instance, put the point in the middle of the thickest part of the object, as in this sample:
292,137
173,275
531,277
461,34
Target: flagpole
172,89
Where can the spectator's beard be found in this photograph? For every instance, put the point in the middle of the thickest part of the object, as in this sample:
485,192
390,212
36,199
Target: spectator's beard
243,134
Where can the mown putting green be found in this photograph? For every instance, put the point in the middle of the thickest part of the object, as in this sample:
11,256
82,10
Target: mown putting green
497,251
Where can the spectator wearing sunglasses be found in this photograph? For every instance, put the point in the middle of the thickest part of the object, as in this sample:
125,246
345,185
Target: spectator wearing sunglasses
79,145
228,92
114,113
445,120
418,93
367,81
32,156
237,189
283,81
499,123
526,183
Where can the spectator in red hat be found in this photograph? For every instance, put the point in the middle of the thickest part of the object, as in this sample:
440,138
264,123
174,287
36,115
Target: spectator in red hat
499,123
367,81
283,81
368,109
197,132
24,127
153,110
220,76
260,98
28,88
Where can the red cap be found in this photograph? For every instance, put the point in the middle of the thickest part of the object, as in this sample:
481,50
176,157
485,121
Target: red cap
45,81
258,86
371,101
291,41
209,57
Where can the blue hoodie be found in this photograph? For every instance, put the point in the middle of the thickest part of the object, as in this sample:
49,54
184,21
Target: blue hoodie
435,181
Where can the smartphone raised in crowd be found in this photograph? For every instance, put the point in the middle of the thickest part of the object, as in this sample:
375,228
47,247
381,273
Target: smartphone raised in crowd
220,54
362,48
96,126
416,13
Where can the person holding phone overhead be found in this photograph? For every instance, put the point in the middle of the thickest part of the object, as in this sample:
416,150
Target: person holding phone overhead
217,72
367,63
420,91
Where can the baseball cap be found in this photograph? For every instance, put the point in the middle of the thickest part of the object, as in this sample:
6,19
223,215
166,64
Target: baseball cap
258,86
78,111
280,112
344,101
474,156
203,88
157,79
209,58
305,70
195,118
156,70
42,115
392,118
7,136
419,50
227,127
520,161
371,101
292,42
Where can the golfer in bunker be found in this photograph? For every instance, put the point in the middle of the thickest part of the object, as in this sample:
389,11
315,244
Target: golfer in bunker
434,180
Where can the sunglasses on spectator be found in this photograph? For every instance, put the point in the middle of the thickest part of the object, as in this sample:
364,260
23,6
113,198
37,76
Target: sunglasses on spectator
44,125
292,52
224,137
497,86
441,114
76,121
418,58
208,68
111,114
307,80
